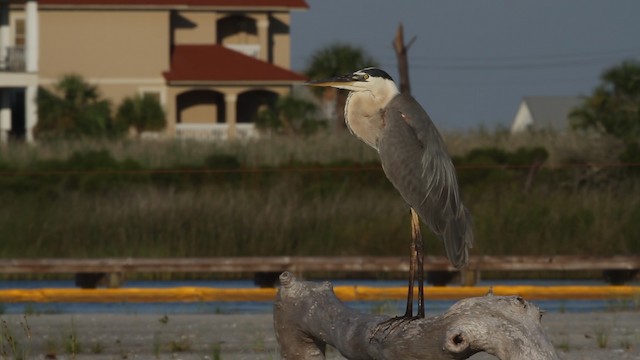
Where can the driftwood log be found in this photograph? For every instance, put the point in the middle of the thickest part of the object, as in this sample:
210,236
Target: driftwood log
308,316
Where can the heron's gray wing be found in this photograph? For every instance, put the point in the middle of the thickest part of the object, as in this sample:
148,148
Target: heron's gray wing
415,160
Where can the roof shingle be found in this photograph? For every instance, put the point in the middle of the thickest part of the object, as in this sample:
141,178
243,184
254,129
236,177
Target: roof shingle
215,63
301,4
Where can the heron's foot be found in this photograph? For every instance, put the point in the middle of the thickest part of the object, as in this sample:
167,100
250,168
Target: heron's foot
389,326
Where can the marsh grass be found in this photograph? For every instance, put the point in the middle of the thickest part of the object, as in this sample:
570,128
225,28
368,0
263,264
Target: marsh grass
181,344
563,344
626,345
563,148
97,347
71,341
157,344
322,148
272,151
602,337
207,222
289,219
15,343
216,350
297,200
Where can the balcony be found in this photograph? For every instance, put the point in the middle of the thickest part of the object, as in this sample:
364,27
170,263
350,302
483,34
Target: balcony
252,50
15,59
214,131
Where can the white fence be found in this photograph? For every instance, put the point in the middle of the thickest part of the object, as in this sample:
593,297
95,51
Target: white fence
214,131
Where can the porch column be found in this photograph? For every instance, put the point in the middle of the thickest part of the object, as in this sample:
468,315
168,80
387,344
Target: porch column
31,111
230,107
4,32
263,38
5,115
31,34
171,112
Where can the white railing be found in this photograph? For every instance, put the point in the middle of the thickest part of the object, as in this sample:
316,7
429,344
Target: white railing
14,59
214,131
246,131
252,50
201,131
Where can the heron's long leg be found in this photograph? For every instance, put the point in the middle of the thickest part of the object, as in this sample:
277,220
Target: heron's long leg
416,239
412,272
415,268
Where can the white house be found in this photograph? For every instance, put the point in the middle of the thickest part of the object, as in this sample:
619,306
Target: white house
544,113
19,67
212,64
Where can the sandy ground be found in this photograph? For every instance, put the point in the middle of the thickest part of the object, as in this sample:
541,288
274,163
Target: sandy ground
607,335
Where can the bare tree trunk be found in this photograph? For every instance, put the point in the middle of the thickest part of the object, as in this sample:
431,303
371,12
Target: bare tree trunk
308,316
403,62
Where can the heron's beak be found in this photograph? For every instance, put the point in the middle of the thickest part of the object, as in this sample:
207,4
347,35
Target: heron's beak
340,82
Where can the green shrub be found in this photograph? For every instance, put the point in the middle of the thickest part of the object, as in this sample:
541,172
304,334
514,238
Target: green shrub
142,113
72,109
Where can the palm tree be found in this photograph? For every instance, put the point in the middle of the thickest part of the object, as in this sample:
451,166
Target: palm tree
332,60
72,108
141,112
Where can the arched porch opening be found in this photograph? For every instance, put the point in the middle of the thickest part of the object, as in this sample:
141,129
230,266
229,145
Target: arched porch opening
200,107
251,102
201,114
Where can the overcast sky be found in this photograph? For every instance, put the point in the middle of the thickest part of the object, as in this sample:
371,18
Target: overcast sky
473,61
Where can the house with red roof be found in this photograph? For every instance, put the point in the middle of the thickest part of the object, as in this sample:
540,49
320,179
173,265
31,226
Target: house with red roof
213,64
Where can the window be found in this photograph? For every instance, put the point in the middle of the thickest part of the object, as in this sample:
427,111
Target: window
19,34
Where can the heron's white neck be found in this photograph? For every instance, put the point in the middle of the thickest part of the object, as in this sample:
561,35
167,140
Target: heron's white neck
363,111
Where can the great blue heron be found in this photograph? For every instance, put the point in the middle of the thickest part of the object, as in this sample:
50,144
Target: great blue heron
414,159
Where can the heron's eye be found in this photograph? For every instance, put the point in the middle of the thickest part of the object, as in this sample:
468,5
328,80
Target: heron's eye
360,77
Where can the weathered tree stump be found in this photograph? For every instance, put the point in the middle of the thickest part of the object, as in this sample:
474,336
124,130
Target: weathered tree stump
308,316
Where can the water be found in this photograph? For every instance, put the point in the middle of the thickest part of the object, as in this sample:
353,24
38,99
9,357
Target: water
253,307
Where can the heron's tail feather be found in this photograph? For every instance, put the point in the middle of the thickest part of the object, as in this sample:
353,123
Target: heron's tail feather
458,238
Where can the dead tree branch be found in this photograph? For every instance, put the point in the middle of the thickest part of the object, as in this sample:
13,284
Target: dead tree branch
308,316
403,62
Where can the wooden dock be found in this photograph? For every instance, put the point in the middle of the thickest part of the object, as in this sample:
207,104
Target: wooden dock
625,266
313,264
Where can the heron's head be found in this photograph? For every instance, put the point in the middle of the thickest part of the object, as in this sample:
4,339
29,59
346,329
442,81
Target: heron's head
369,79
